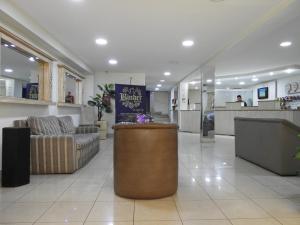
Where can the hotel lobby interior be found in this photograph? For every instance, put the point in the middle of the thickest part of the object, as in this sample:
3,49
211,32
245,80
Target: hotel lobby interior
173,112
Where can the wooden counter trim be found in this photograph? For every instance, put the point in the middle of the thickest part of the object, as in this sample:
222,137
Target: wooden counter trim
146,126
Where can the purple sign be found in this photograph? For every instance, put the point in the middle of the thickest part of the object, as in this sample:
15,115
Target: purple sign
130,99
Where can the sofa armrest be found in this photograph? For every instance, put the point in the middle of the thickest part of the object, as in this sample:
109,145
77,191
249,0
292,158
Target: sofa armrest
87,129
53,154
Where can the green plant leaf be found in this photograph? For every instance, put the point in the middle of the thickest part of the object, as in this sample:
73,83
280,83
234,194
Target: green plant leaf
297,156
92,103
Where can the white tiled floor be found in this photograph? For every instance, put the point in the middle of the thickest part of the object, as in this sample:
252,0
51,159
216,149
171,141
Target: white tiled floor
215,188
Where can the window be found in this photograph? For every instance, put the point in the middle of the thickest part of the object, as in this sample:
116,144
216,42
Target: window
24,72
70,86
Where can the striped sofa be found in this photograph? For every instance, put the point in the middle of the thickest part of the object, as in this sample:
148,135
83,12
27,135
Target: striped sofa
57,147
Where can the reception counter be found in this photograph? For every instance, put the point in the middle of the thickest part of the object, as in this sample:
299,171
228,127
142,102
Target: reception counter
224,118
145,160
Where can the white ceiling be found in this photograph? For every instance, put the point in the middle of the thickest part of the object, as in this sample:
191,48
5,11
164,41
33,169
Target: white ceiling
261,50
145,36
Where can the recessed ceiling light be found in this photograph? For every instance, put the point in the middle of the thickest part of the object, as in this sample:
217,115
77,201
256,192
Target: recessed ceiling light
236,78
254,79
289,70
188,43
193,82
218,83
167,73
31,59
12,46
156,89
162,81
158,85
6,45
101,41
113,62
242,83
208,80
285,44
36,58
271,73
8,70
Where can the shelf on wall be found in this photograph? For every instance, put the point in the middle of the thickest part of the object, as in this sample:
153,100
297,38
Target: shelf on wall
62,104
14,100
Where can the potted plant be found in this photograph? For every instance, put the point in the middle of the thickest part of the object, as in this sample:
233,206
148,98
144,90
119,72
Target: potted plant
102,101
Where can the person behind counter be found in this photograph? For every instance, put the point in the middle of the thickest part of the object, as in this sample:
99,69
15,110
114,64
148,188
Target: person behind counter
239,99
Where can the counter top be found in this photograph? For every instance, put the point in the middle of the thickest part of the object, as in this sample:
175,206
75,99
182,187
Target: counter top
191,110
259,110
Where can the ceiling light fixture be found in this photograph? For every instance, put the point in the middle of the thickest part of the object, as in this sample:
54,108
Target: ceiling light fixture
285,44
162,81
167,73
31,59
218,82
158,85
193,82
289,71
208,80
113,62
236,78
8,70
12,46
242,83
6,45
101,41
188,43
271,73
254,79
156,89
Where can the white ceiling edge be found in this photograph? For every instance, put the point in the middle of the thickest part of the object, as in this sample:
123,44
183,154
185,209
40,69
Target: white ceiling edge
262,71
256,25
24,23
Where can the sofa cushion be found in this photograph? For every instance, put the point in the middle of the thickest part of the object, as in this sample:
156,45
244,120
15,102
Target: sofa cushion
83,140
44,125
66,124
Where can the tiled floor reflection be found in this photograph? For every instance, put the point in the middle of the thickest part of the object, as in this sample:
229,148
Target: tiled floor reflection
215,188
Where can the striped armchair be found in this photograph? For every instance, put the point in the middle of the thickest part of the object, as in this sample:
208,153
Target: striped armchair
57,147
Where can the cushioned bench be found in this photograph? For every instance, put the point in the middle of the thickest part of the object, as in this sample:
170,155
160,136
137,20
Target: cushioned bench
59,147
269,143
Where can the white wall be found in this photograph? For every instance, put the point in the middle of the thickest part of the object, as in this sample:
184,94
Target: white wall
183,95
159,102
223,95
281,83
116,78
194,96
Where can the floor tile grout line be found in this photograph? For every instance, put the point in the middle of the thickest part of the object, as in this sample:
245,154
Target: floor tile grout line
177,209
216,205
94,203
133,222
53,203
